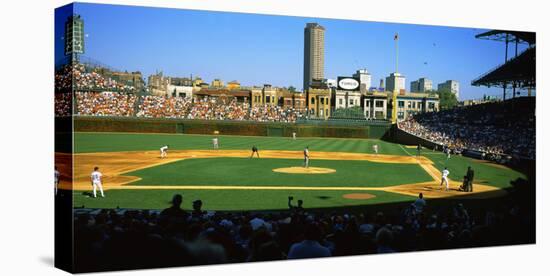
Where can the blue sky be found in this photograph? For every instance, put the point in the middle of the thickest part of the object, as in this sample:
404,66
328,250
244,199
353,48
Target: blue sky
258,49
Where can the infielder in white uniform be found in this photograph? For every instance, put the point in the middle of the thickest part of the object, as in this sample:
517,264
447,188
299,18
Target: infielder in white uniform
215,143
444,179
56,179
96,178
306,157
375,149
163,151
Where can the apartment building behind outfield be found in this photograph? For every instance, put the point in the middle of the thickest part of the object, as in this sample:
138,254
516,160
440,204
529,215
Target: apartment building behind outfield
314,53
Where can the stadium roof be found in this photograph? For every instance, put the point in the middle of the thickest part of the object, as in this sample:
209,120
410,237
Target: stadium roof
502,35
521,69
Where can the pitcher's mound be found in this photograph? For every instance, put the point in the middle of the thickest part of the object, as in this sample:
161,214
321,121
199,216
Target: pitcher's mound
310,170
358,196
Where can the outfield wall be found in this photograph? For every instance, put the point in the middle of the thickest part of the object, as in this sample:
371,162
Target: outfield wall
145,125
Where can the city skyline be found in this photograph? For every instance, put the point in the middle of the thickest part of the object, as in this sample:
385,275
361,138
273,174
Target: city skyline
257,49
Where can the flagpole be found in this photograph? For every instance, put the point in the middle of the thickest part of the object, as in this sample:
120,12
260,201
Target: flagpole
395,91
396,52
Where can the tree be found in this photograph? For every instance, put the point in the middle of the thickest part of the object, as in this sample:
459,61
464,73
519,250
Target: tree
292,88
447,99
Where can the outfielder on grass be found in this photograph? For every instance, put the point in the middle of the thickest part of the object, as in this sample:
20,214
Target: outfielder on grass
216,143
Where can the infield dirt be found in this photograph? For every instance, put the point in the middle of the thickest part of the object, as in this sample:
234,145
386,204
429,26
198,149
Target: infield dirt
114,164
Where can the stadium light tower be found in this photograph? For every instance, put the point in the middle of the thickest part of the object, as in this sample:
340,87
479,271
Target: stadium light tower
74,37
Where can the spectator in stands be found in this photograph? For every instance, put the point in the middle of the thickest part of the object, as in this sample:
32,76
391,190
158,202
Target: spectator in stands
175,211
309,247
295,208
197,209
420,203
384,239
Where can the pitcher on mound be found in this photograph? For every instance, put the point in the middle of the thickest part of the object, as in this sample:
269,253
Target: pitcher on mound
306,157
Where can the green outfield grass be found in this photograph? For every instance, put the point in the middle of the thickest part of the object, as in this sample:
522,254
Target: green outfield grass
259,172
243,171
104,142
230,199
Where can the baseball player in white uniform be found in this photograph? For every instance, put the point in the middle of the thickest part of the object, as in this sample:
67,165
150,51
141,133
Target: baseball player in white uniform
215,143
444,175
56,179
375,149
163,151
96,178
293,135
306,157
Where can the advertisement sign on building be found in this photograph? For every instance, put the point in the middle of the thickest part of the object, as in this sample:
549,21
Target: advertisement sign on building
348,83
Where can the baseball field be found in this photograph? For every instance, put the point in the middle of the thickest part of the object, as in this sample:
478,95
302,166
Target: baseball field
342,172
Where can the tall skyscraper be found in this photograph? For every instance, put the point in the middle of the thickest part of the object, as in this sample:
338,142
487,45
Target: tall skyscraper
314,53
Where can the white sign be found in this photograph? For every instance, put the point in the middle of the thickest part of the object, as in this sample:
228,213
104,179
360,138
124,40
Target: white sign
348,84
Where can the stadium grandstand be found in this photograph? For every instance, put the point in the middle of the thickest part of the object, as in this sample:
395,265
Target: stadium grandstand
139,238
95,89
518,72
498,131
501,131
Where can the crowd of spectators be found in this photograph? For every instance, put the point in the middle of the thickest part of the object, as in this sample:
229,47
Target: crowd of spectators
216,109
88,79
122,239
93,88
268,113
163,107
105,104
64,78
205,108
62,104
496,129
84,78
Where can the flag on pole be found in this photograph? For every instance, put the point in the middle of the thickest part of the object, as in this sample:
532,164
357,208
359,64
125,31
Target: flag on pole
396,37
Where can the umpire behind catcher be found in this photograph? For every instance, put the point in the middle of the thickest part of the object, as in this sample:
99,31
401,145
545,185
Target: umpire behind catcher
467,186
